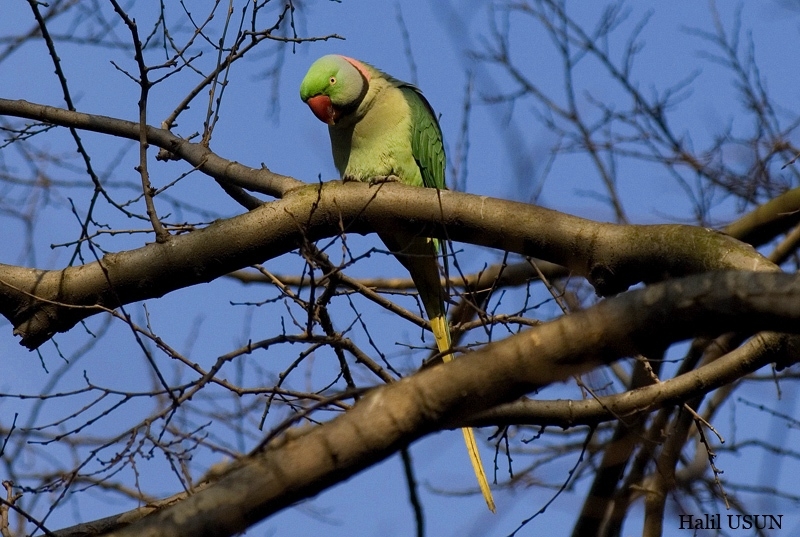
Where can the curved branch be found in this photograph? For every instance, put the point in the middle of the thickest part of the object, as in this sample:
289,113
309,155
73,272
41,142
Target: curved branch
768,220
756,353
761,350
40,303
197,155
301,464
613,257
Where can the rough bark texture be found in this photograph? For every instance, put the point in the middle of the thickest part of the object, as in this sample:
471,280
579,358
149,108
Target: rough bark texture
613,257
304,462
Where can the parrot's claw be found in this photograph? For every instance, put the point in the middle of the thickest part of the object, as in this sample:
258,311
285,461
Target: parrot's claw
384,179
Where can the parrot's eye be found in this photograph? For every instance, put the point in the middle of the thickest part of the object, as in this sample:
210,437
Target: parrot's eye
332,80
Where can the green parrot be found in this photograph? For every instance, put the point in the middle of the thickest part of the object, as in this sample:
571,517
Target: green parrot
382,127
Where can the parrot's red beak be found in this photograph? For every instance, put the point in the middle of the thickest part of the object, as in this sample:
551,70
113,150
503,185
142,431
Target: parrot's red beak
323,108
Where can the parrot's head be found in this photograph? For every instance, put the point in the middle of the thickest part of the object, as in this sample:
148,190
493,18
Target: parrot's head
334,86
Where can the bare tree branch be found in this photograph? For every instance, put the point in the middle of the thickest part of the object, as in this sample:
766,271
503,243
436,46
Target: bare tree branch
41,303
304,462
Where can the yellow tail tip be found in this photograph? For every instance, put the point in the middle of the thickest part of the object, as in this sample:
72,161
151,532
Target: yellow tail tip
477,467
441,332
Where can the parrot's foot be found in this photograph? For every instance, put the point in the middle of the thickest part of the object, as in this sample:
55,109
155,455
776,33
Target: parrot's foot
381,179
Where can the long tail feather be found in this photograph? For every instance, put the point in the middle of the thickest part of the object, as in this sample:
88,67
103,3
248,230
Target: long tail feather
441,332
418,255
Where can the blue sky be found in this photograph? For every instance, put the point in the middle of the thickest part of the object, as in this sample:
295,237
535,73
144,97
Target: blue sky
264,123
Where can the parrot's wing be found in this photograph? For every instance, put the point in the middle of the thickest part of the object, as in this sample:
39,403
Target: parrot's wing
426,138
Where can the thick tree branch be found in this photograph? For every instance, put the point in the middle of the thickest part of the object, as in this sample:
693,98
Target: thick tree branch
763,349
613,257
301,464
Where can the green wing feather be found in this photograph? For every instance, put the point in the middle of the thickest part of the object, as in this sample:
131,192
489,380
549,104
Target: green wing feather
427,150
426,138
